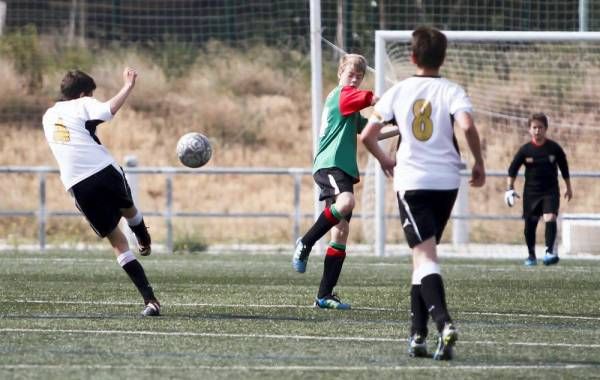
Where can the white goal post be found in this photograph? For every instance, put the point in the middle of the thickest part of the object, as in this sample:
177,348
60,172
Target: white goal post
497,60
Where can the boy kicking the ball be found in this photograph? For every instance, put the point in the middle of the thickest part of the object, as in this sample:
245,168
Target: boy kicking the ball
92,176
335,171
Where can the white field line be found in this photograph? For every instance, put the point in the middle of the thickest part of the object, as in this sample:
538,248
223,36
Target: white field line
278,337
224,263
289,306
298,368
227,263
549,316
473,250
108,258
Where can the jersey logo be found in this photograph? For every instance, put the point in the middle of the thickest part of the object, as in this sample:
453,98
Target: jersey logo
552,158
61,133
422,126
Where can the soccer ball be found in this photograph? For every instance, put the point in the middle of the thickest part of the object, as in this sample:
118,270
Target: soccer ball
194,150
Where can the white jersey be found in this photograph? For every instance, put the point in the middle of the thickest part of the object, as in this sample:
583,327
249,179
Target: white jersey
70,128
424,109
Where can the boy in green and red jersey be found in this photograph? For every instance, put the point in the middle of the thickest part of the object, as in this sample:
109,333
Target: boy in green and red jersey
335,171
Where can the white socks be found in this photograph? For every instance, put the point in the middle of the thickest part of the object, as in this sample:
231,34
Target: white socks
125,257
424,270
135,220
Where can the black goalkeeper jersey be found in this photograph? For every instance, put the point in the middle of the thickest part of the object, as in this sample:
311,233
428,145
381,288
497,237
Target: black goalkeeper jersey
541,163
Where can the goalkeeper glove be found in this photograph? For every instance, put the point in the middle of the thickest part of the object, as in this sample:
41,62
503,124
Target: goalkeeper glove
510,197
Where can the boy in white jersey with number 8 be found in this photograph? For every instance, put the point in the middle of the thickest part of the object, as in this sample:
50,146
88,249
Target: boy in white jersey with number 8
426,174
92,176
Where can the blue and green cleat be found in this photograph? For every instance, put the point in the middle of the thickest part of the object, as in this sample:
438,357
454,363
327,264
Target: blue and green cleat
530,262
300,258
417,346
550,258
331,302
446,341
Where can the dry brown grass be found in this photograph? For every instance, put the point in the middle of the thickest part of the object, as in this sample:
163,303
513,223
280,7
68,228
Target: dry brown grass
12,84
255,107
254,114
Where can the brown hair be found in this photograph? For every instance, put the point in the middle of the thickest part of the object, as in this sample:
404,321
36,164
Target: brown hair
539,116
357,61
74,83
429,47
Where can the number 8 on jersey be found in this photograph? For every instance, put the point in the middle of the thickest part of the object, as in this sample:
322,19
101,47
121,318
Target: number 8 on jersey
422,126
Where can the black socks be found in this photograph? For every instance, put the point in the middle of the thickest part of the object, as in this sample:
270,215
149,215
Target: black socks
550,236
530,226
137,275
418,312
334,260
328,218
432,291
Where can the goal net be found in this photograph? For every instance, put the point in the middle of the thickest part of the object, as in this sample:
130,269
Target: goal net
508,75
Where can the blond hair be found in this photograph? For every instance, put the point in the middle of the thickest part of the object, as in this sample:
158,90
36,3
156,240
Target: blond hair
357,61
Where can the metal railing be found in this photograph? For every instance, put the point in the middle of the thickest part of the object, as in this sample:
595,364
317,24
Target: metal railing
460,216
42,213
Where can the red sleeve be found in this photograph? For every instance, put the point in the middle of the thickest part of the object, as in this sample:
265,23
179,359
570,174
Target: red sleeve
353,100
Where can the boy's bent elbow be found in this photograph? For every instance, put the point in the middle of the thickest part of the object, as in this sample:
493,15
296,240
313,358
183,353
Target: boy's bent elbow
368,139
364,136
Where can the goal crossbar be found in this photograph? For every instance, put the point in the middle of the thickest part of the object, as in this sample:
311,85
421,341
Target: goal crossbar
384,36
469,35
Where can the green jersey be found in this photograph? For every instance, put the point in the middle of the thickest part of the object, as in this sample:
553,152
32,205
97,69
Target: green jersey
341,122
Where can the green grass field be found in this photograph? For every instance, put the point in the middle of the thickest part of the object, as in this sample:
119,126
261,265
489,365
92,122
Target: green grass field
74,315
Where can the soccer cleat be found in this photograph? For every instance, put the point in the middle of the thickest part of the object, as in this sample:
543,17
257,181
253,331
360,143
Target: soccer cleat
143,238
331,302
530,261
446,341
152,309
417,346
550,258
300,258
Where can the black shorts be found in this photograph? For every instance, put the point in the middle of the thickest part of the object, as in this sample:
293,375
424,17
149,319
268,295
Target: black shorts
424,213
334,181
537,204
101,197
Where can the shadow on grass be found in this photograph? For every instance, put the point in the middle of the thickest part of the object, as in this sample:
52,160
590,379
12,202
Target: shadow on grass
169,316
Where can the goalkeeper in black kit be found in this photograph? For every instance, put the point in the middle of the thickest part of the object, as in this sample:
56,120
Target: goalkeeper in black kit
541,194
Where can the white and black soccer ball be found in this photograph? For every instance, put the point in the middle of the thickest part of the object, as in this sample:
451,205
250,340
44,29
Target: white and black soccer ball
194,150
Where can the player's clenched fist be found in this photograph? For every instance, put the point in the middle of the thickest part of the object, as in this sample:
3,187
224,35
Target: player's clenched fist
129,76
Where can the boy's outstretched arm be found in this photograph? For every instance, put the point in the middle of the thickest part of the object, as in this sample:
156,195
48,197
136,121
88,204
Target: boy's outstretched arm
465,122
117,101
370,137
